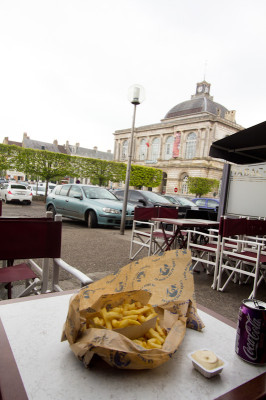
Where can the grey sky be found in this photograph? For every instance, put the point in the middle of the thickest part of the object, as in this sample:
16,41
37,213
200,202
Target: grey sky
66,65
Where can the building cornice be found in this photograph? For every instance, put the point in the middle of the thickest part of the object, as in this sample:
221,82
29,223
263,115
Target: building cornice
182,121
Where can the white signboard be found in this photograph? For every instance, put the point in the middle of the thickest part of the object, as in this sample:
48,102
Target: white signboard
247,190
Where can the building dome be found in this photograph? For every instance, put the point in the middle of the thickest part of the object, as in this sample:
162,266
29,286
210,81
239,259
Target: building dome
200,102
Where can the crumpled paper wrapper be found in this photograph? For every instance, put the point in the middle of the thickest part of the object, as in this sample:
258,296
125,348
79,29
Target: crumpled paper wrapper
169,280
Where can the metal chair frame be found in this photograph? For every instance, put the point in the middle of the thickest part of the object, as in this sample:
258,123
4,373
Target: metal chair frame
247,260
152,238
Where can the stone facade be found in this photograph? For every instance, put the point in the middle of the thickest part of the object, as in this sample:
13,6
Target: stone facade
180,143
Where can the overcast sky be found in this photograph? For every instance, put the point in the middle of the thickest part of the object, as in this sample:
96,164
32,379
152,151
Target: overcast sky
66,65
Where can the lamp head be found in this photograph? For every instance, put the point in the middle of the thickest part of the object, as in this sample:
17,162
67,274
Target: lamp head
136,94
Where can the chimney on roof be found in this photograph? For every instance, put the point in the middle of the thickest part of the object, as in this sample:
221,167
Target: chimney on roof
108,151
67,147
95,148
25,136
230,115
76,147
5,141
55,142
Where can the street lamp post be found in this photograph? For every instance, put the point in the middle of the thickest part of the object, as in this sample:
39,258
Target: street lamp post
135,96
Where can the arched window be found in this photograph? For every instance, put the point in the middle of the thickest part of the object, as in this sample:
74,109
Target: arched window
143,150
184,188
168,149
124,150
191,145
155,146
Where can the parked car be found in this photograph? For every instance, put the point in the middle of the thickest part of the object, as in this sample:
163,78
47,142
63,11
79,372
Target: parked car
93,204
39,190
207,203
15,192
182,203
143,198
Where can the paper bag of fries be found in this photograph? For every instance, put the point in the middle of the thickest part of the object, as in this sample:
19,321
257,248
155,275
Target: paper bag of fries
137,317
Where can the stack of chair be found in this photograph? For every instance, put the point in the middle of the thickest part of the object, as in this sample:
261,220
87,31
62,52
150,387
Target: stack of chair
246,260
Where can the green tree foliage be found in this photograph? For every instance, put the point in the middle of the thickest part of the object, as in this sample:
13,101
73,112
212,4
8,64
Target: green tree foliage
201,186
8,155
43,164
46,165
145,176
100,172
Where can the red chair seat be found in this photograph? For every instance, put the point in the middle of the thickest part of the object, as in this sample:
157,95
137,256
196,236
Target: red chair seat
16,273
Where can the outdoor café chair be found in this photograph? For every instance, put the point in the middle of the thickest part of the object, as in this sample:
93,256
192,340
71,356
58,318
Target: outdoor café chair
149,235
247,260
205,249
25,244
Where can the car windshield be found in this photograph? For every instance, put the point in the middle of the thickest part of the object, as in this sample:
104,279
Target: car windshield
98,193
155,198
182,201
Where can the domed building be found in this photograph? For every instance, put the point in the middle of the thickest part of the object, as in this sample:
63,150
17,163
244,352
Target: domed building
180,143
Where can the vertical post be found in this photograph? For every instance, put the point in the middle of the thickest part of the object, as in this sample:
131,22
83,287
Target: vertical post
224,190
124,210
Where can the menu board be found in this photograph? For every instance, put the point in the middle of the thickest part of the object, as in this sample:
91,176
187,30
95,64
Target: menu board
247,190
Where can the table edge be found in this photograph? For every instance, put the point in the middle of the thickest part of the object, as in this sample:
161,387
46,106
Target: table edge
11,384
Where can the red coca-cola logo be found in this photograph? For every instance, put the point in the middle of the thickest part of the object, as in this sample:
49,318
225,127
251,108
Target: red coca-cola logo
253,330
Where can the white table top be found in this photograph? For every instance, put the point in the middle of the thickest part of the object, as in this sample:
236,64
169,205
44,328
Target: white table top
186,221
50,370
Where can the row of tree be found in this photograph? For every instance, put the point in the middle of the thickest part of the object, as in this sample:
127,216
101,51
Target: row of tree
49,166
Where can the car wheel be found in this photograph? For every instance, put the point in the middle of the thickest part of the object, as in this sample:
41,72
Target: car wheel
92,219
52,209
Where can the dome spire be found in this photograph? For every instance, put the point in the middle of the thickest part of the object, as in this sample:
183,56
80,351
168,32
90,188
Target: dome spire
205,70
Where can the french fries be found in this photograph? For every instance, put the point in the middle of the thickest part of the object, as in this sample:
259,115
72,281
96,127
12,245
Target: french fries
129,314
125,315
153,339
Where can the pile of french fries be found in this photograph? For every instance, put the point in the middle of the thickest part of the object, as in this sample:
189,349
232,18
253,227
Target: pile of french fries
153,339
128,314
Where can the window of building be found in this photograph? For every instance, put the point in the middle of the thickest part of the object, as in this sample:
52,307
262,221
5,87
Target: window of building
155,146
124,149
143,150
191,145
168,150
184,188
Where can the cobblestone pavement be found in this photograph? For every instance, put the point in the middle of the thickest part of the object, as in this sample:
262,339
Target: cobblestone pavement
98,252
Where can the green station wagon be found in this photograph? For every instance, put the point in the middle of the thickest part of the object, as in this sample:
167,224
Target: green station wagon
93,204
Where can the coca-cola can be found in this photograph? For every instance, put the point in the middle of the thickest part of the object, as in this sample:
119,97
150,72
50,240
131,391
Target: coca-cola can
251,331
